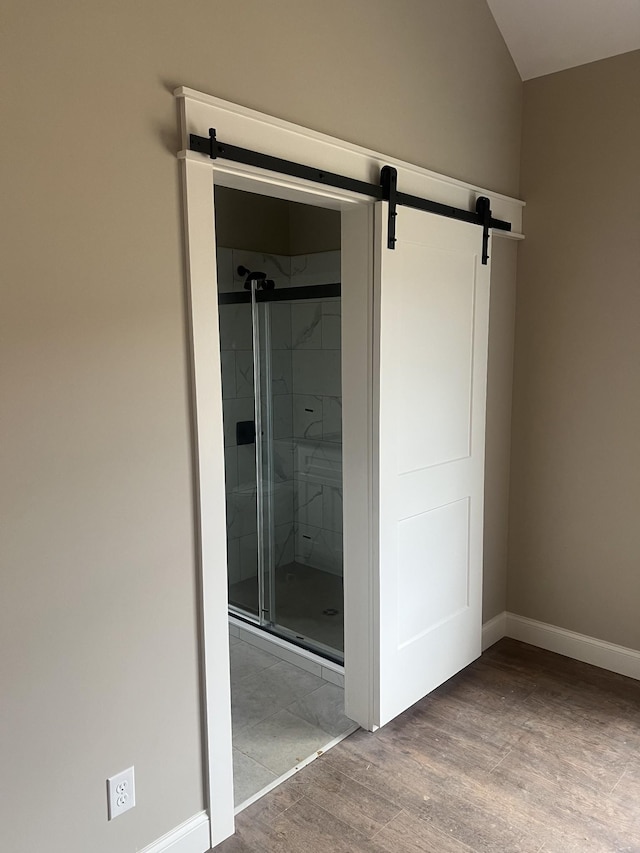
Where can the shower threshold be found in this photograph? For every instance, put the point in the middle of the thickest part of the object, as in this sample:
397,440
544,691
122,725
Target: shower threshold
285,638
309,609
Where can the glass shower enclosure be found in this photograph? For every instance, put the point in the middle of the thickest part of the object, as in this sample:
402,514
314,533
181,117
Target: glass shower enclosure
282,404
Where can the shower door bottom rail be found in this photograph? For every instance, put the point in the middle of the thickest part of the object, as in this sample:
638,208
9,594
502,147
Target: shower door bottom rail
292,637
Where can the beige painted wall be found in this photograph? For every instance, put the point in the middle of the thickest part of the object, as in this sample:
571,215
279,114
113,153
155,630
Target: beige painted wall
272,225
98,628
251,221
312,229
575,538
504,253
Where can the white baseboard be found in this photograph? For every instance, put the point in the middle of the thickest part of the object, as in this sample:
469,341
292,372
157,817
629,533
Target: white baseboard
192,836
577,646
493,630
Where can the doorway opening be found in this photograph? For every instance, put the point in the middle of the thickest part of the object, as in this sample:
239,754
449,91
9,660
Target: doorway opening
280,339
279,301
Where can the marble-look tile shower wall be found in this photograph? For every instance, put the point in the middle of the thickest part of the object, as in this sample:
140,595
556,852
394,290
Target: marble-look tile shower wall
307,414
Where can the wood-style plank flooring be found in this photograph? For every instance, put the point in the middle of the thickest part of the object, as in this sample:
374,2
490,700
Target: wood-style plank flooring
522,751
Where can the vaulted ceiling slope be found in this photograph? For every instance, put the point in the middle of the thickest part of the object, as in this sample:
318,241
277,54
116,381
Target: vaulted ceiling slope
550,35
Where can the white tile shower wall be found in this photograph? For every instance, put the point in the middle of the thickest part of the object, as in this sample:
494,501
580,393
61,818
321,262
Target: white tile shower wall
294,271
331,317
248,556
281,378
282,459
317,417
244,373
332,419
307,416
317,268
282,497
282,488
308,504
319,548
246,456
280,325
228,367
233,560
316,372
235,328
241,511
306,325
318,504
282,416
285,544
332,508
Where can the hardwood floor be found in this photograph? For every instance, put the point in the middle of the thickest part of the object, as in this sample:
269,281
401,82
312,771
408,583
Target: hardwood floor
522,751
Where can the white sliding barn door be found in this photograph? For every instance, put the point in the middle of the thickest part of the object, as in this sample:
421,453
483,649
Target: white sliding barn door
432,317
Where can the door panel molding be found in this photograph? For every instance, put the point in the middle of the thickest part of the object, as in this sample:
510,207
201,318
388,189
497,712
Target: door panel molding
433,323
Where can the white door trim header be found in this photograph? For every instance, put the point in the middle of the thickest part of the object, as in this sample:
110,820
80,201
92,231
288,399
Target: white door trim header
248,128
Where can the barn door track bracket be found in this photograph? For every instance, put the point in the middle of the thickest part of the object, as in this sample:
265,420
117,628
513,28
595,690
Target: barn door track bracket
385,190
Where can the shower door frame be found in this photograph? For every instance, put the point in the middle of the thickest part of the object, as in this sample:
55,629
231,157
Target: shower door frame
250,129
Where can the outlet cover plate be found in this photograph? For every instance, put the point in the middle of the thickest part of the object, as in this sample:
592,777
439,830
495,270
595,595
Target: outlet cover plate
121,793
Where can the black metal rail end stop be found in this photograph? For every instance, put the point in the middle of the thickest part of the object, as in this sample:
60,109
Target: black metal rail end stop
213,142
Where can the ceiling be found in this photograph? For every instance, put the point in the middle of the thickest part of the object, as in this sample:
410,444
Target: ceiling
550,35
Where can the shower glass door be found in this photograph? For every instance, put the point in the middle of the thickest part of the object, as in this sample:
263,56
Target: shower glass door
284,460
298,339
263,405
236,315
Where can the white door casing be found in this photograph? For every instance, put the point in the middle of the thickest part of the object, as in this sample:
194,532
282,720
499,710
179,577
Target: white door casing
432,322
371,640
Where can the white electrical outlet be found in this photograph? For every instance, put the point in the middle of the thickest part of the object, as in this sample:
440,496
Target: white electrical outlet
121,793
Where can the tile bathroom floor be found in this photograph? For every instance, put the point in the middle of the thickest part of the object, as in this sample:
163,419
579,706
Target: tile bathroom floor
281,715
